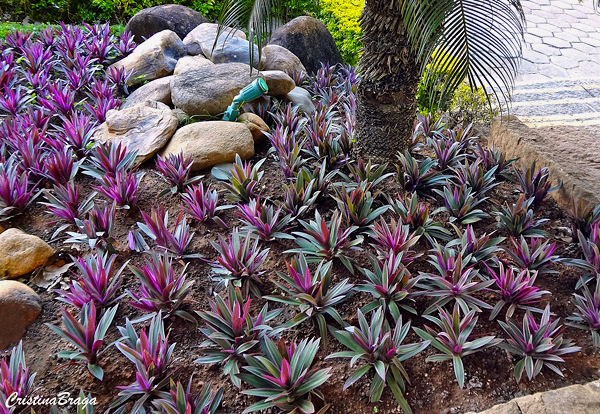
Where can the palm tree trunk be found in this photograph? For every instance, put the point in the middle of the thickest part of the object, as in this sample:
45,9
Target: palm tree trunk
389,71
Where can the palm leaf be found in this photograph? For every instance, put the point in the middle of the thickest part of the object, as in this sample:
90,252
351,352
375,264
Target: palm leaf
477,40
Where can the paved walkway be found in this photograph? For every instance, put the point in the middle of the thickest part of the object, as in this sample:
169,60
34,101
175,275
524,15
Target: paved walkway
559,81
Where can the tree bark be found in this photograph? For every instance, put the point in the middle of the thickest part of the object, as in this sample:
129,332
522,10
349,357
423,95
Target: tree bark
389,77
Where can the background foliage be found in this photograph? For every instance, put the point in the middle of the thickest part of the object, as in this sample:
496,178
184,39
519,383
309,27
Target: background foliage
341,18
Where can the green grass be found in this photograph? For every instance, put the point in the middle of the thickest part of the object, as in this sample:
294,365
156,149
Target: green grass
9,27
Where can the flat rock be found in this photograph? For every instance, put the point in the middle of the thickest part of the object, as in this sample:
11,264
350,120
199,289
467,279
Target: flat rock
210,89
301,97
146,128
158,90
210,143
279,82
190,63
21,253
279,58
174,17
567,151
308,39
255,124
154,58
19,307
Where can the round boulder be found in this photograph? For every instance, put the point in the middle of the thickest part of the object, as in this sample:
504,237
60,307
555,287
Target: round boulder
279,58
21,253
174,17
211,143
19,307
158,90
190,63
279,82
308,39
255,124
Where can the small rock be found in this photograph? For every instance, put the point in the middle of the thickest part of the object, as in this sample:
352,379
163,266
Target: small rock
21,253
158,90
19,307
146,128
301,97
211,143
279,58
154,58
190,63
308,39
210,89
279,82
255,124
174,17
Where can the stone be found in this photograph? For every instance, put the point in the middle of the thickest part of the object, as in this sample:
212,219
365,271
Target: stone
568,151
211,142
19,307
190,63
158,90
259,105
308,39
301,97
144,128
279,82
154,58
203,37
255,124
279,58
210,89
174,17
21,253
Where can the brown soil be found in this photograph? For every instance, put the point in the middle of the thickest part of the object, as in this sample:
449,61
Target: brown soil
433,388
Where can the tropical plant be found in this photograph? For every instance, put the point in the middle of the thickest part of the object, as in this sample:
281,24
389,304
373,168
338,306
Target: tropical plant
460,203
63,202
583,217
263,220
175,171
476,176
418,176
447,153
535,184
232,332
313,294
492,157
299,196
122,187
284,376
180,400
381,348
539,344
415,214
86,335
390,240
14,374
452,339
97,229
587,315
538,255
481,249
243,179
356,205
518,220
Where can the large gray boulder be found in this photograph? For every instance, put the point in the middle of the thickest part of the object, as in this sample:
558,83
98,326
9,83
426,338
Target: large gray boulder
279,82
154,58
279,58
210,89
308,39
190,63
300,97
21,253
158,90
174,17
210,143
144,128
19,307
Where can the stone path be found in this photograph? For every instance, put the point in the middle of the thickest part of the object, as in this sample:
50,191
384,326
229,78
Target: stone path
559,81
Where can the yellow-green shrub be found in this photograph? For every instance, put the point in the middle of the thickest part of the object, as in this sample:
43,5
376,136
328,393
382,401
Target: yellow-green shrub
341,18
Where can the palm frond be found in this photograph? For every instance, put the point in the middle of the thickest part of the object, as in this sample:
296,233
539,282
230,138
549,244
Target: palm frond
477,40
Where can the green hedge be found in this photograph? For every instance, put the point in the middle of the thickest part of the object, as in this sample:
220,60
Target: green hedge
341,18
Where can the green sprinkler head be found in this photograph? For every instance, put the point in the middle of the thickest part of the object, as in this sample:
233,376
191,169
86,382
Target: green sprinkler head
250,92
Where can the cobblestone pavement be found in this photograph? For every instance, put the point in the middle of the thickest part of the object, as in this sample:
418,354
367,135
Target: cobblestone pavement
559,80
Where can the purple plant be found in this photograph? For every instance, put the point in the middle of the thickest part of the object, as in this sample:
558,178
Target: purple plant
382,348
393,239
460,203
108,159
126,45
60,98
232,332
322,241
60,167
100,106
122,187
31,155
37,80
587,315
298,197
517,220
591,252
97,229
538,255
365,172
584,217
86,335
36,57
481,249
452,339
64,202
14,100
243,180
151,353
98,282
239,261
415,214
418,176
118,78
539,345
462,134
100,42
180,400
312,293
447,153
491,158
289,122
288,150
16,193
476,176
516,289
77,131
14,375
160,288
202,205
425,129
175,170
535,184
390,284
263,220
356,205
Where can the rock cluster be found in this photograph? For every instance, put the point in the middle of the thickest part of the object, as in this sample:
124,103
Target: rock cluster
189,70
